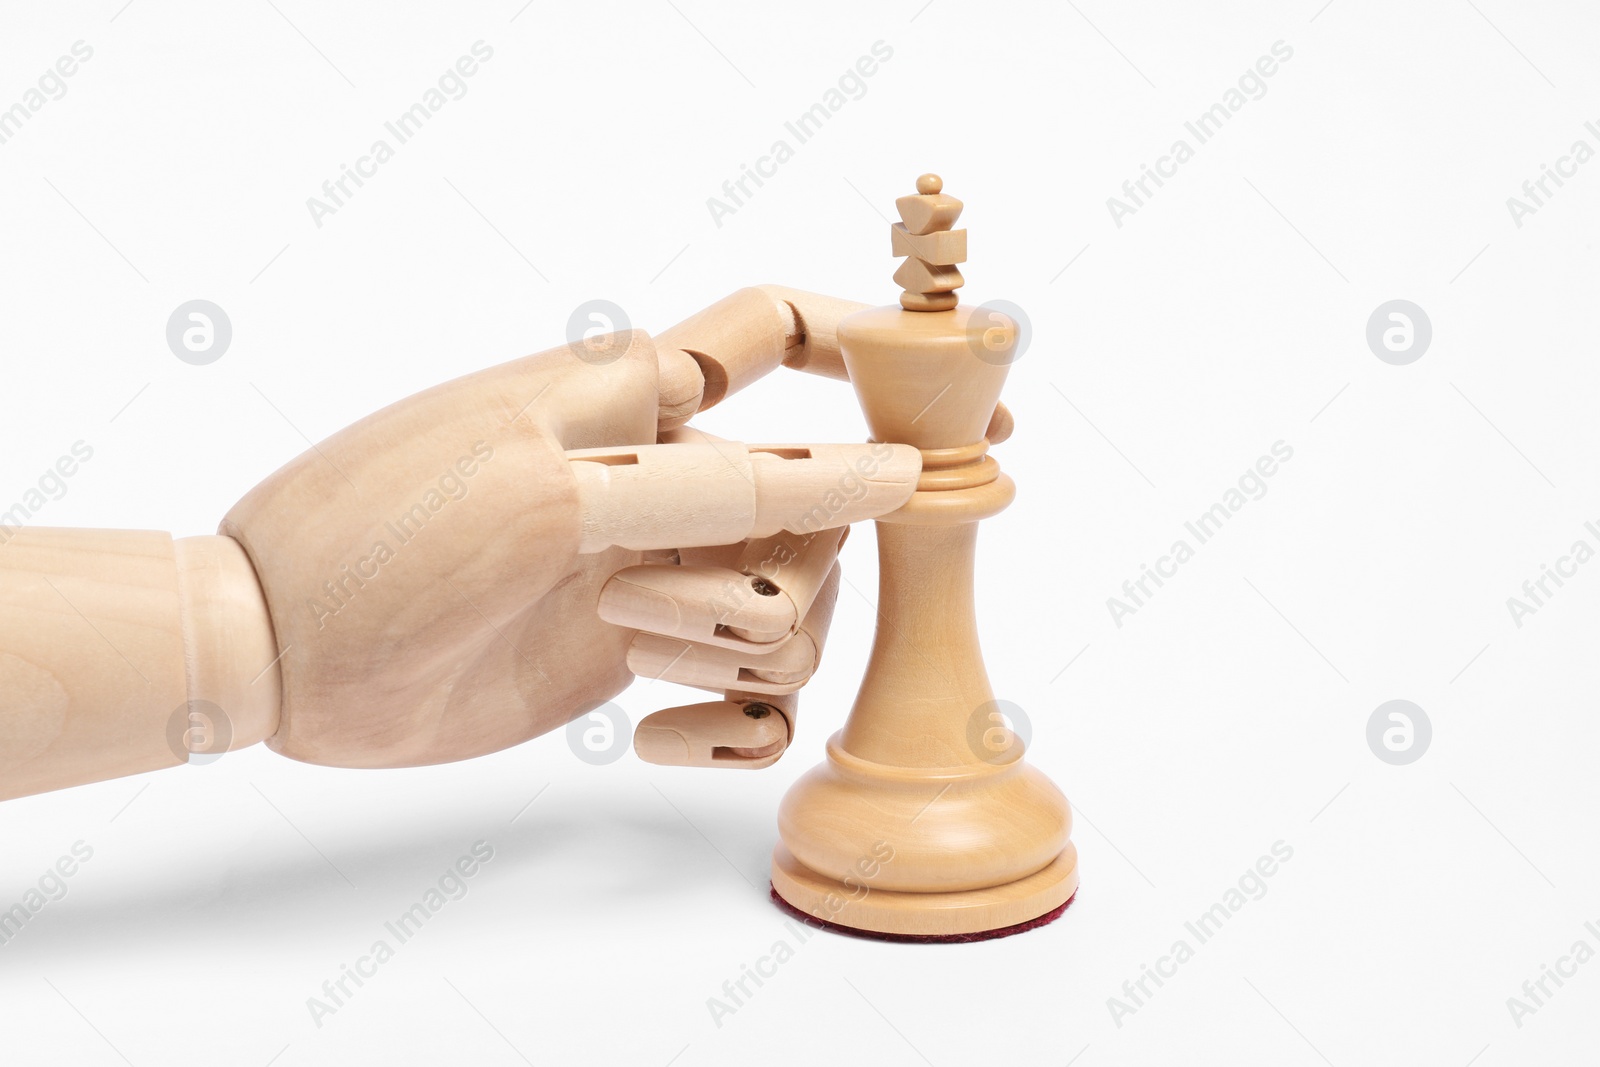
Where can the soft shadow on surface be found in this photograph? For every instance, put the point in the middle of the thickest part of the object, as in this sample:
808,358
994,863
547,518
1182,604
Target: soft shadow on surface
287,894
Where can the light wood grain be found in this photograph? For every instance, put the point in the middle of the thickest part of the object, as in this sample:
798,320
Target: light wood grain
711,492
107,637
925,818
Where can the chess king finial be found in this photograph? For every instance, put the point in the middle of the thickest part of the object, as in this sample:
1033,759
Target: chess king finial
923,234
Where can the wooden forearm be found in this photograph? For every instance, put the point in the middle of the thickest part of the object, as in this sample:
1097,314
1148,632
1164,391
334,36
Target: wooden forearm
108,638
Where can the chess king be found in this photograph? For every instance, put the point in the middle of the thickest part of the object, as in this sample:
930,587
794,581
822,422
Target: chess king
488,560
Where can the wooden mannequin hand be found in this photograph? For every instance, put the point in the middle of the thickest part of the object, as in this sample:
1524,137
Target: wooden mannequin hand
434,572
748,619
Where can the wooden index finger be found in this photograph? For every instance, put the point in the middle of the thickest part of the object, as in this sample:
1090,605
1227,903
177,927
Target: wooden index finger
712,492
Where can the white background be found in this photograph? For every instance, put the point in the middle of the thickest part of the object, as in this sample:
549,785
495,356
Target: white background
1168,353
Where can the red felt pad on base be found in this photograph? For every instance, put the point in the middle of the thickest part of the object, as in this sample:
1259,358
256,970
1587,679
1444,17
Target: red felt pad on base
931,939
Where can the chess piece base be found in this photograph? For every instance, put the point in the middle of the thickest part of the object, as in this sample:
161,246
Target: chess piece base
924,851
965,915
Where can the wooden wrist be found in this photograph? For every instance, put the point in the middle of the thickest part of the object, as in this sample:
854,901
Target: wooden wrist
113,641
230,656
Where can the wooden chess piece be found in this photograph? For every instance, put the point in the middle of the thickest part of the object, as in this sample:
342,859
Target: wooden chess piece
924,822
